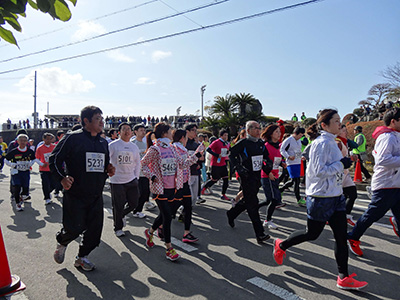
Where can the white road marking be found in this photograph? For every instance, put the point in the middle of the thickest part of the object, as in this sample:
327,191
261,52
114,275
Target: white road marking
273,289
182,245
109,210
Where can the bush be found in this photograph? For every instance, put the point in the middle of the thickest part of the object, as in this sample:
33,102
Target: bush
358,112
309,121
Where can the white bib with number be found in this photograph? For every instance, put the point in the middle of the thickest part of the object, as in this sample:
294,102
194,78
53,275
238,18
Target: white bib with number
257,162
339,179
277,163
168,166
46,156
125,158
224,152
22,165
95,162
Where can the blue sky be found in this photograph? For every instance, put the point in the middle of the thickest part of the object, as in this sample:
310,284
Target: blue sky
326,54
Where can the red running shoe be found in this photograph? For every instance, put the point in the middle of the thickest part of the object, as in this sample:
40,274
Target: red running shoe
149,239
350,221
203,190
171,254
224,197
349,283
354,247
278,252
395,226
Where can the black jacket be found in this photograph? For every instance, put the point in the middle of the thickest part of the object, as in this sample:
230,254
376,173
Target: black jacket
86,158
242,154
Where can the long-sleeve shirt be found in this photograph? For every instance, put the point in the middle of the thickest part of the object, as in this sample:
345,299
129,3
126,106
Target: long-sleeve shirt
291,147
20,159
324,173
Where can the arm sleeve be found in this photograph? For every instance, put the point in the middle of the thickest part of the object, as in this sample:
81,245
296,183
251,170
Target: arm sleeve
267,163
384,147
283,148
57,158
235,152
209,150
318,161
150,156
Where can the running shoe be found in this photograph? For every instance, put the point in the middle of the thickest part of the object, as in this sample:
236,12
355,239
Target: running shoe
160,233
301,202
233,202
189,238
231,221
139,215
208,191
224,197
280,205
171,254
149,239
349,283
270,224
120,233
26,197
56,194
59,254
395,226
278,253
262,238
84,263
149,205
48,201
20,206
354,247
200,201
350,221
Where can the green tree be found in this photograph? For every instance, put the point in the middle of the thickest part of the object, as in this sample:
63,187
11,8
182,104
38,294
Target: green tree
11,10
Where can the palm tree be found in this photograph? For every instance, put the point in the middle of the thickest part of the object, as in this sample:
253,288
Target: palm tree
244,101
223,106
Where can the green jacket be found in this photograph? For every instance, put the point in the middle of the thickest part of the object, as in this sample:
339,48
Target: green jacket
361,148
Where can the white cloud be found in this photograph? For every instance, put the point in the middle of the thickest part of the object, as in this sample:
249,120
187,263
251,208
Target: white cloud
53,81
158,55
144,80
88,29
117,55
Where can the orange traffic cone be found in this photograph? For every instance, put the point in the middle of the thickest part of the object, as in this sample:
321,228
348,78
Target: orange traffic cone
8,283
302,168
357,173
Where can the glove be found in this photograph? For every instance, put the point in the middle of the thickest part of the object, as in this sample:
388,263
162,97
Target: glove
242,171
346,161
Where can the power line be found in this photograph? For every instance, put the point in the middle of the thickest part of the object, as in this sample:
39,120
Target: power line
191,20
116,31
169,35
94,19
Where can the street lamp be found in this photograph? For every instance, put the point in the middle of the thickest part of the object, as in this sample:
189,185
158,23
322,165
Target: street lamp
202,89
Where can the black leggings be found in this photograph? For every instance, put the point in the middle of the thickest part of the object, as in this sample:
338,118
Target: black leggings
296,182
314,228
350,193
225,184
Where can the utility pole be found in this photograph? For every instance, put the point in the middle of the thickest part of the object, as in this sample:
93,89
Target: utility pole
202,89
35,119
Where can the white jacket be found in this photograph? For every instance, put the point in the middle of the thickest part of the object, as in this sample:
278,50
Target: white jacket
324,174
387,161
293,150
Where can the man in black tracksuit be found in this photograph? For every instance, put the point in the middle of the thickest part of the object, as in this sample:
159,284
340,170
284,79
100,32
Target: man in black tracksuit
248,157
86,158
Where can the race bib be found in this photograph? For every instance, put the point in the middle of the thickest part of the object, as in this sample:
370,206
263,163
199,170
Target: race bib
168,166
46,156
297,155
95,162
22,165
257,162
124,158
277,162
224,152
339,179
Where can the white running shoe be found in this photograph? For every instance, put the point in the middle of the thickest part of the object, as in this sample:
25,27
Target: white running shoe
119,233
139,215
149,205
20,206
270,224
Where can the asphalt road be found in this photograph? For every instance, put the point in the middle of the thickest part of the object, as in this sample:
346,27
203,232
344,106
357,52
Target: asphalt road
226,263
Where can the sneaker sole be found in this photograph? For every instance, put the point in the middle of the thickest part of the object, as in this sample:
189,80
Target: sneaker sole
351,288
189,241
273,252
83,268
351,249
173,259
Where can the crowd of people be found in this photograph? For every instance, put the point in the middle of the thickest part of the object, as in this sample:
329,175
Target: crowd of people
177,166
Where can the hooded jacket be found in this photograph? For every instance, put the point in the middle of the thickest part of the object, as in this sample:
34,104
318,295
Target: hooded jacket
387,159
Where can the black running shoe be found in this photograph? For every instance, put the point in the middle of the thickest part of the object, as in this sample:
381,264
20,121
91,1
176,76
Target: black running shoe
262,238
231,221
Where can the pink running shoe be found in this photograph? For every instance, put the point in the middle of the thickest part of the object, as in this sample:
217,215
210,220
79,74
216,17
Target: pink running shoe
278,252
149,239
171,254
354,247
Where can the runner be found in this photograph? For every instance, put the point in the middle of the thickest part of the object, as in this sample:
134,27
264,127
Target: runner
385,184
3,148
219,149
160,166
270,182
291,151
124,155
86,159
325,201
361,150
184,195
20,159
42,154
249,156
144,186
